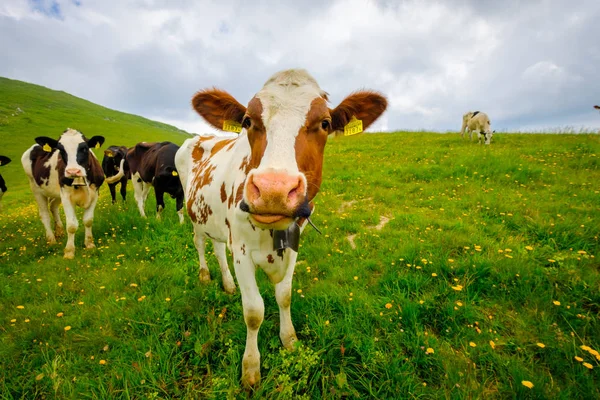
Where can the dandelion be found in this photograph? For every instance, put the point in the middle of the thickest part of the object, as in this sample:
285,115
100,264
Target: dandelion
492,344
356,278
59,314
388,305
588,365
133,285
27,320
578,359
39,377
20,307
551,260
13,320
429,351
450,260
102,362
472,344
542,345
434,274
327,323
527,384
67,328
60,284
457,287
168,299
299,291
529,248
592,352
459,303
80,303
585,348
556,303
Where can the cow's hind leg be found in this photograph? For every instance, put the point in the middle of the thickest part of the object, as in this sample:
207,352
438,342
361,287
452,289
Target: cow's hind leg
42,202
283,294
140,192
59,228
88,219
221,254
199,242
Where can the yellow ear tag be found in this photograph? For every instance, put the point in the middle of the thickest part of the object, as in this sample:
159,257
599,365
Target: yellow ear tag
353,127
110,154
97,145
174,173
47,148
232,126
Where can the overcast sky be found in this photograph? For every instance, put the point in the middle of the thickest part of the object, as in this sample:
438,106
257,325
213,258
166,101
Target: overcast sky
531,65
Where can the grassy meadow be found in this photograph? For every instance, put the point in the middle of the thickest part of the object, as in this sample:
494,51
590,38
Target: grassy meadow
445,269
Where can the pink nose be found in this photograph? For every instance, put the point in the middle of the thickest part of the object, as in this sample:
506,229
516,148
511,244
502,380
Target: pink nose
275,193
73,172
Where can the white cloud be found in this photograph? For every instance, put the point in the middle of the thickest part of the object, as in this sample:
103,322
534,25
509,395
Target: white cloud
525,64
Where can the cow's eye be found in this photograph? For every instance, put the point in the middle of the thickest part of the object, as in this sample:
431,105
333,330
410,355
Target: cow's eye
325,124
247,122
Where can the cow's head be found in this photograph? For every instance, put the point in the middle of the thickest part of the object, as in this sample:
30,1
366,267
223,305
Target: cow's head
3,161
286,124
74,150
111,163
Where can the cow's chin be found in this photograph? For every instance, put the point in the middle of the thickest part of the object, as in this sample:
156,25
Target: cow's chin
269,221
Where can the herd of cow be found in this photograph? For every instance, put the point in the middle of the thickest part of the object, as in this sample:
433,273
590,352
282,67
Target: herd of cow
252,193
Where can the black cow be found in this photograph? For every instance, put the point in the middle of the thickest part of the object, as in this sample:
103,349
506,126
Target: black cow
3,161
154,164
116,169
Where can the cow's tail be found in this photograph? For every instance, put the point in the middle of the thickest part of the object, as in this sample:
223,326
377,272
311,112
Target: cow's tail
118,176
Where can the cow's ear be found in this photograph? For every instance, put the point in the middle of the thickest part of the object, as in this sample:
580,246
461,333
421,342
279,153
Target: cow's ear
4,160
365,106
217,106
96,141
48,144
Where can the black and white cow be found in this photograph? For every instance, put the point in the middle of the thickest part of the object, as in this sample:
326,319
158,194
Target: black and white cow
153,164
3,161
116,170
65,170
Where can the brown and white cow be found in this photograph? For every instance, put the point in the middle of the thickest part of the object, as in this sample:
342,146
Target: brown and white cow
113,163
153,164
3,161
65,170
245,191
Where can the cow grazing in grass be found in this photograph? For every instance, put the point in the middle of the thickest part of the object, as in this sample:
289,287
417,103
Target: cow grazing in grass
476,121
153,164
3,161
245,191
65,170
116,170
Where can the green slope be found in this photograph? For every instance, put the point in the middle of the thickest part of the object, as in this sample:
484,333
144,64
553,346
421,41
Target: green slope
28,111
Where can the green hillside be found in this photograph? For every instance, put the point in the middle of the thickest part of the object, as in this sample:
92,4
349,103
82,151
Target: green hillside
28,111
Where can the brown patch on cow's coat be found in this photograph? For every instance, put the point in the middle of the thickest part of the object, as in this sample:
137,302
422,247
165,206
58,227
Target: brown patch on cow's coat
310,146
270,259
204,210
231,197
229,229
223,193
257,136
243,248
220,144
239,193
38,158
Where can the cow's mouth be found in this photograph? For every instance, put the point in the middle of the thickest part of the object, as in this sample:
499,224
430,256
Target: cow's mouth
268,219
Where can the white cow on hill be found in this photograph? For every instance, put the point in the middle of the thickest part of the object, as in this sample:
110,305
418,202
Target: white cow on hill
477,121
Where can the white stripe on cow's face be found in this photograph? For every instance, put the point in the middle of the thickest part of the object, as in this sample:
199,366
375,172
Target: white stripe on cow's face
70,141
286,100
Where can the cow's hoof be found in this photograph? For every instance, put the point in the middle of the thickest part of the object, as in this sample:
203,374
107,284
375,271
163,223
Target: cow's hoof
51,240
289,341
229,288
204,275
69,255
250,376
59,232
90,245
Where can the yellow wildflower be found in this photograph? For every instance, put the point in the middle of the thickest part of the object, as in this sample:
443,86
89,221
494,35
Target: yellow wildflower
527,384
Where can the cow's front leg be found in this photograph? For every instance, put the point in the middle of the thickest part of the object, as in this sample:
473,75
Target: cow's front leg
179,206
283,294
254,310
124,189
88,219
72,226
113,192
160,201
